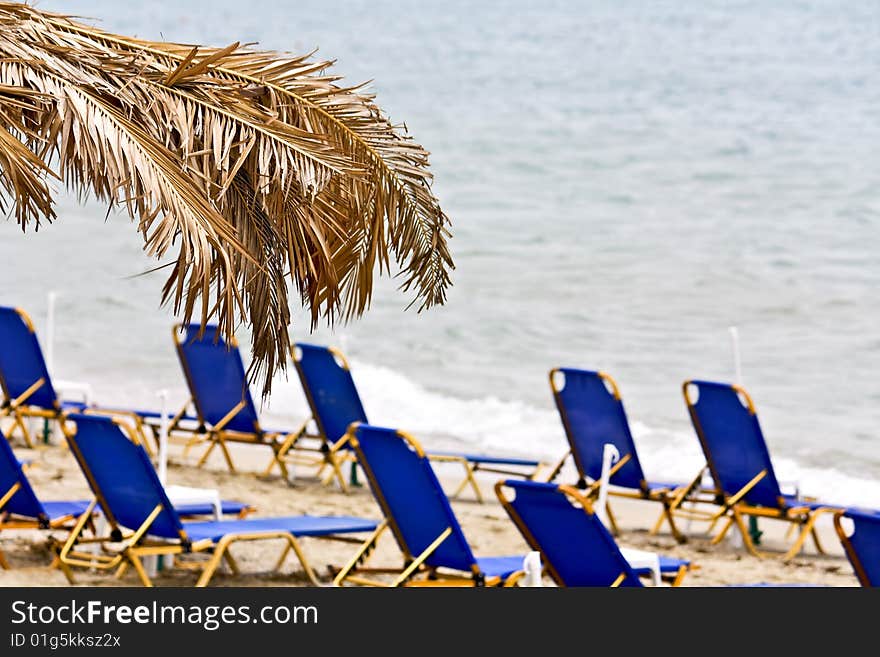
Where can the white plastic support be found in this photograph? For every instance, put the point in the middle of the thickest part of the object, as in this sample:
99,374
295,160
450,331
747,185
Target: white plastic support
532,567
610,456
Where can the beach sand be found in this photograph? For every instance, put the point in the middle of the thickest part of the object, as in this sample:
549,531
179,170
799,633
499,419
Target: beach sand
55,475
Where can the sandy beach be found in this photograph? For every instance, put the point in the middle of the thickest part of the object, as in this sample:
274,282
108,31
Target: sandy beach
55,475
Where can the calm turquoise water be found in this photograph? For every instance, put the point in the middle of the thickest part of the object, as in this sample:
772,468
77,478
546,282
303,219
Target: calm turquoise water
626,180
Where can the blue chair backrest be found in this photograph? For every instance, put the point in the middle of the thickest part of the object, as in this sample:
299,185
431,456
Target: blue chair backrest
217,380
121,476
329,388
21,360
24,502
727,426
407,489
863,549
572,540
592,416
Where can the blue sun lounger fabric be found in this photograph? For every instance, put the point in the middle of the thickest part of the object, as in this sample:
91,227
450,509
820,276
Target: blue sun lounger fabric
335,404
593,415
726,422
28,390
20,508
419,515
861,542
223,404
131,497
575,546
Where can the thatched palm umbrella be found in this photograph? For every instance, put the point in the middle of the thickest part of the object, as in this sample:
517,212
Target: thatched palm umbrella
259,168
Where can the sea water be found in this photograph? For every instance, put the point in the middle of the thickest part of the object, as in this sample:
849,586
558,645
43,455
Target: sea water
626,181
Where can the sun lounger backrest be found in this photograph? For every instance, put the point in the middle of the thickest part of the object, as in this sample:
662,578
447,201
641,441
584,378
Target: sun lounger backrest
726,423
592,413
121,476
329,388
862,546
572,540
217,380
410,495
21,360
24,502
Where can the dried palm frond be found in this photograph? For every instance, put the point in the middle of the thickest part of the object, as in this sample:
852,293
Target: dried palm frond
258,167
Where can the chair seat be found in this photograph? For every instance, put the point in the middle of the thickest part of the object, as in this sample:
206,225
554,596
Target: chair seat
63,508
488,460
295,525
501,567
671,485
73,405
227,508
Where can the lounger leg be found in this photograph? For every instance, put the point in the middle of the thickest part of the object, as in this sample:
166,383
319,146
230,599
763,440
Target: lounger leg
3,563
419,560
207,453
231,562
213,562
657,525
283,556
226,454
280,453
334,463
679,576
120,572
469,479
809,528
195,440
723,532
68,573
278,457
746,535
139,569
294,545
667,511
615,530
21,423
361,555
558,467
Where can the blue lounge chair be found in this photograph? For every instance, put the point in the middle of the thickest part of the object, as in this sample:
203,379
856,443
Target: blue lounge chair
575,546
223,404
335,403
725,420
418,513
592,415
861,542
28,391
20,508
145,523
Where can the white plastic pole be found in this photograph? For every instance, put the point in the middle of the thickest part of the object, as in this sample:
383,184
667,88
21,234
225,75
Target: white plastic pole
610,456
532,567
163,436
50,331
737,364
